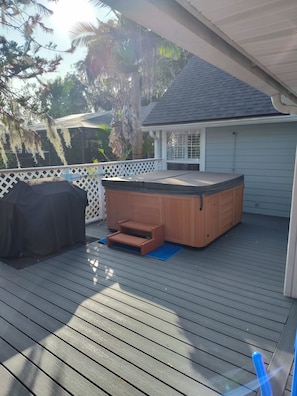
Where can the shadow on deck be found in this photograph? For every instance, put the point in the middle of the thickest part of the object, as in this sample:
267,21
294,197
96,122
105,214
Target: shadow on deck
97,320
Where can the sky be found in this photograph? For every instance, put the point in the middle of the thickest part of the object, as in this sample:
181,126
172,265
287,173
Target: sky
66,14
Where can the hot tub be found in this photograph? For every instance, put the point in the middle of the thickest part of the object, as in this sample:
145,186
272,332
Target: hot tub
195,207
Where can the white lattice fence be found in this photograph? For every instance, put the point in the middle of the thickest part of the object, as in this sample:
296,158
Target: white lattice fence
86,176
127,168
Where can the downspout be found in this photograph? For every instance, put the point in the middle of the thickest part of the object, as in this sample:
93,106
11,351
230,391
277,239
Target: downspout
282,107
154,135
234,151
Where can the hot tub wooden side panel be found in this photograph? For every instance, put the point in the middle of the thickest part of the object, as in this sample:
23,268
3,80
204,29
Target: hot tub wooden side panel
143,208
179,214
185,220
222,212
117,207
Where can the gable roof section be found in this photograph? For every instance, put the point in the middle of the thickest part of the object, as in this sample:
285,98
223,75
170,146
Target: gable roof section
202,92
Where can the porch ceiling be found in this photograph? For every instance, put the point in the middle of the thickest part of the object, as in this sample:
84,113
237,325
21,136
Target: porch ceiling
255,41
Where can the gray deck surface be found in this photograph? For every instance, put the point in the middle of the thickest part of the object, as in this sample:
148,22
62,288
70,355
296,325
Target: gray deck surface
96,320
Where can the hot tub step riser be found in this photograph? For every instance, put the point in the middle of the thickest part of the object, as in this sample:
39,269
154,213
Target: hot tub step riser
127,229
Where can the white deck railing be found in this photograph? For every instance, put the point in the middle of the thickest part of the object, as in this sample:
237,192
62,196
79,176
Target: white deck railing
86,176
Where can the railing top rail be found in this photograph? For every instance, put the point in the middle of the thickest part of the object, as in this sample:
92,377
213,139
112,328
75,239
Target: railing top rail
22,170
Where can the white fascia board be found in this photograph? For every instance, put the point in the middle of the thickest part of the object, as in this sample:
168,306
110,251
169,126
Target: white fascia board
221,123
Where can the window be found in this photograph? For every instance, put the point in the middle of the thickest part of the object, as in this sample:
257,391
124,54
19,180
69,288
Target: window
193,145
183,146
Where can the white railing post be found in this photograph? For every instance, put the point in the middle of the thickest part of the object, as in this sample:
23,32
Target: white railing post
101,193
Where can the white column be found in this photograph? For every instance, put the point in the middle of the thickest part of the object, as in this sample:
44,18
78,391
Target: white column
290,286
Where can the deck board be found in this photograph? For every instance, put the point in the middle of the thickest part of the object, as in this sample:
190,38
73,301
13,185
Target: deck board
97,320
160,327
10,385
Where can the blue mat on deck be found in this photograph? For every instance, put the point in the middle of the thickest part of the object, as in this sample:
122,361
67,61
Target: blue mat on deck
163,252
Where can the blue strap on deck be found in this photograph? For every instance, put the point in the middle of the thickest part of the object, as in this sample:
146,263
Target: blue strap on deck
262,374
294,374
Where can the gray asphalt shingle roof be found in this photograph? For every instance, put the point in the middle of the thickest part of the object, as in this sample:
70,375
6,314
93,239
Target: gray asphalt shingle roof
202,92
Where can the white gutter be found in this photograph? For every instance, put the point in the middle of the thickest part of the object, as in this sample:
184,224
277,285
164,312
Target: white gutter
282,107
222,123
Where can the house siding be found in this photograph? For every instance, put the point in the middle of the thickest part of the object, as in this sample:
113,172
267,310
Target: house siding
265,155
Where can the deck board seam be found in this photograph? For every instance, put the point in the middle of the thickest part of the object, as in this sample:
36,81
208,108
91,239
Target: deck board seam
150,374
120,297
190,301
189,296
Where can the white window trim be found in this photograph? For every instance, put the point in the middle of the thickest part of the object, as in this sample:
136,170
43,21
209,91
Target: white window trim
202,148
200,161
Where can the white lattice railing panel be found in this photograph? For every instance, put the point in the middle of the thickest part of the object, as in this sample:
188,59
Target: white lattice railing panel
128,168
11,177
87,179
86,176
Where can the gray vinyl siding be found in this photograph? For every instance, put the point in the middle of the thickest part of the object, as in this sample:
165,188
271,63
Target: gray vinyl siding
265,154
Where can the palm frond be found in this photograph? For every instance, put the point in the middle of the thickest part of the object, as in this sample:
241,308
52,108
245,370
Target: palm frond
168,49
43,10
83,27
82,33
104,127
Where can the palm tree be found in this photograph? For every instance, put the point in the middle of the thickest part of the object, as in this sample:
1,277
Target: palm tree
123,53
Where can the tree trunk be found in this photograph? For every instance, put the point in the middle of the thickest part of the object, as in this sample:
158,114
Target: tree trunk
136,106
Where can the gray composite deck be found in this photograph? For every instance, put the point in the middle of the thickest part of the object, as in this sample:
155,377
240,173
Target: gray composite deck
97,320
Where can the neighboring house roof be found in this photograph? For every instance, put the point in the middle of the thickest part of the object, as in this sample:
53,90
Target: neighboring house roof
89,120
83,120
202,92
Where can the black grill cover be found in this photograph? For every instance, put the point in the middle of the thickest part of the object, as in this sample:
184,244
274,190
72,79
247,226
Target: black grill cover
40,217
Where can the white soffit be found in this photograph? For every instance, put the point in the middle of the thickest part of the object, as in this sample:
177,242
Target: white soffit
254,40
266,30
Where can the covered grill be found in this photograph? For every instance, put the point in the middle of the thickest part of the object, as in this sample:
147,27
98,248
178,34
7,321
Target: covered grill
40,217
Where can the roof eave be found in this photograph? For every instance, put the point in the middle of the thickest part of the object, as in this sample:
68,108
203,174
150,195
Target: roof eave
221,123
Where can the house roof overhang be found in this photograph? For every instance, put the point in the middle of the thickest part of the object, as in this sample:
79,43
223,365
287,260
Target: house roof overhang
253,41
